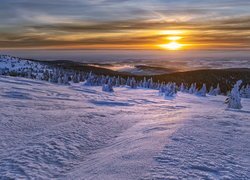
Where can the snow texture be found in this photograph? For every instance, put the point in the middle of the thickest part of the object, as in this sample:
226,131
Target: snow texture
52,131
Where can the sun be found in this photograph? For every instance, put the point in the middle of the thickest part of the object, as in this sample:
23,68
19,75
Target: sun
173,44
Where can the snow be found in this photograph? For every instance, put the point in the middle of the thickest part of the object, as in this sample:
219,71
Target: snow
18,65
80,132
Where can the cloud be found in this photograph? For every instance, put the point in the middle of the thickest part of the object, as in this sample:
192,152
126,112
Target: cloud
28,23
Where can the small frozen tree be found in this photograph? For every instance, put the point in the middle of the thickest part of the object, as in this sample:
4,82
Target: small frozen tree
117,81
202,91
191,89
140,84
145,83
75,78
162,90
158,85
89,80
211,91
79,77
245,91
65,79
108,87
128,81
133,83
182,87
214,91
217,90
170,90
60,80
103,80
150,83
234,100
122,81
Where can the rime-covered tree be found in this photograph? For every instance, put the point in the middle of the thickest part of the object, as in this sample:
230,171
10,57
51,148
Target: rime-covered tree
145,83
90,81
128,81
140,84
245,91
170,90
202,91
108,87
75,78
214,91
117,82
103,80
234,100
60,81
192,89
123,81
182,87
133,83
150,83
211,91
217,90
65,79
162,90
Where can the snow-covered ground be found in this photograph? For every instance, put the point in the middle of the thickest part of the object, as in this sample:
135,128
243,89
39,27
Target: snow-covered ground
78,132
18,65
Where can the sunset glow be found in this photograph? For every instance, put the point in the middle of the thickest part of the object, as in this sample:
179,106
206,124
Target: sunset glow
87,24
174,38
171,46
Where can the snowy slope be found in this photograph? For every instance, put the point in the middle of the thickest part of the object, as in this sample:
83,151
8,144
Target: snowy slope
18,65
78,132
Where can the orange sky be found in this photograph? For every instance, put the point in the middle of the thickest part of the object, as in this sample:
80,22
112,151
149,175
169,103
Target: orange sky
107,24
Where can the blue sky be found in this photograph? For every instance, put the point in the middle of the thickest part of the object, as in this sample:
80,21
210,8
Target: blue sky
123,24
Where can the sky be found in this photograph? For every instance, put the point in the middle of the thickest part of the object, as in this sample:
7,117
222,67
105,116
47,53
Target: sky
125,24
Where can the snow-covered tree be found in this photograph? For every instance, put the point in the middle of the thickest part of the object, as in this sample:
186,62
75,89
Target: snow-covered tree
128,81
123,81
140,84
170,90
192,89
214,91
60,81
117,82
211,91
217,90
162,90
234,100
202,91
108,87
150,83
65,79
158,85
90,79
145,83
103,80
245,91
182,87
75,78
133,83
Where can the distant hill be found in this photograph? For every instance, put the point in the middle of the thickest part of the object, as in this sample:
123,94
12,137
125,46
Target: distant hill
225,77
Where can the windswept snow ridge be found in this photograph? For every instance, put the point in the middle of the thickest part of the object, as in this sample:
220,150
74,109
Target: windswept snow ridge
80,132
